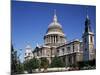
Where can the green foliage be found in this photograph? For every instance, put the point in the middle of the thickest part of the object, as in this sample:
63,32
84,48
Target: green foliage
73,65
20,68
44,63
92,62
31,64
86,63
13,60
26,65
16,66
57,62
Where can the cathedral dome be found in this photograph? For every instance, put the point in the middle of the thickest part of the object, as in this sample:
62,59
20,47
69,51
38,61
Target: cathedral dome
54,35
55,27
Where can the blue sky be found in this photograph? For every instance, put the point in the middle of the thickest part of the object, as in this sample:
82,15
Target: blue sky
30,21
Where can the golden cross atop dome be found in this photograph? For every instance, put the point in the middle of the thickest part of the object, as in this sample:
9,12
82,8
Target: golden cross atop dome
55,17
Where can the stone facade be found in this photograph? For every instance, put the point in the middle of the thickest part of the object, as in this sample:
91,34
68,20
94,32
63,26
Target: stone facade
56,44
54,35
71,51
28,53
88,42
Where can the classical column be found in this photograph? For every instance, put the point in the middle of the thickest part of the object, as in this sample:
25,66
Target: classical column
72,60
66,60
53,38
62,40
46,40
50,38
58,39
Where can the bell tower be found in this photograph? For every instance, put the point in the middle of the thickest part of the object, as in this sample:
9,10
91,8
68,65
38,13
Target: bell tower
88,41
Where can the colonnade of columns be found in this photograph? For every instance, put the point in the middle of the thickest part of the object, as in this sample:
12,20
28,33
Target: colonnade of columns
54,39
71,61
51,39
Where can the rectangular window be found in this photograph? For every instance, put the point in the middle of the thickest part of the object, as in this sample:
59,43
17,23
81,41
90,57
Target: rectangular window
57,51
85,49
38,53
84,40
91,39
68,49
29,54
41,52
25,53
63,50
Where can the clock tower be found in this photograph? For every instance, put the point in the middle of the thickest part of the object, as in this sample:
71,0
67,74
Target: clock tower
88,41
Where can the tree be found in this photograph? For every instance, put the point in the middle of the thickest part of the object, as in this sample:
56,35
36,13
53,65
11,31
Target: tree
88,64
20,68
57,62
31,64
44,63
13,60
16,66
